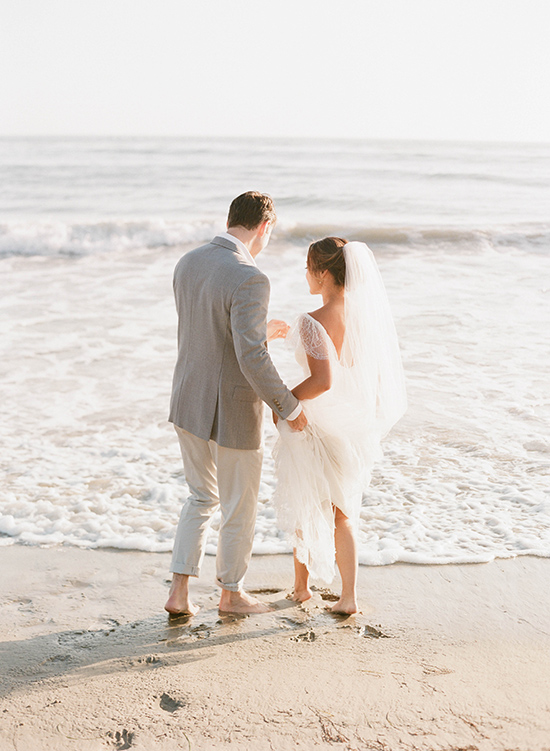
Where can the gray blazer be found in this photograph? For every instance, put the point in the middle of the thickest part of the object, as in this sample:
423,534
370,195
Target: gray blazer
223,370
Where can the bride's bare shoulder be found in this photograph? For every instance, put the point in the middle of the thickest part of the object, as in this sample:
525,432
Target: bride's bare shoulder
320,315
329,316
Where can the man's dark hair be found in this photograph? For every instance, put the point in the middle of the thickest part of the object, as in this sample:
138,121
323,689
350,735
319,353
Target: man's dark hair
251,209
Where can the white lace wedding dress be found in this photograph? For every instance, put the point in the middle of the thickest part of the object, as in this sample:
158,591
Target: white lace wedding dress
329,463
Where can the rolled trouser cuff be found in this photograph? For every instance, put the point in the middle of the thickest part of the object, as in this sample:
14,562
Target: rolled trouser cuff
181,568
230,587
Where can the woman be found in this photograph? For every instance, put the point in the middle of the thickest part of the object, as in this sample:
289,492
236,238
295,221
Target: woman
352,394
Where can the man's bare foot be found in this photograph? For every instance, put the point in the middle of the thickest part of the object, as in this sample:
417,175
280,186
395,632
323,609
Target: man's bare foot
301,595
179,602
240,602
188,609
344,606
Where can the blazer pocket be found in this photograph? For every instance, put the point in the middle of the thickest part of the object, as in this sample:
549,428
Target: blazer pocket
242,394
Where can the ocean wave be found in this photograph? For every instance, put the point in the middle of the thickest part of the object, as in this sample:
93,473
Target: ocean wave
78,239
527,238
66,239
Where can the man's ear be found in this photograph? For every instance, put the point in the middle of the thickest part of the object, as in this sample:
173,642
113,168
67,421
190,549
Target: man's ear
264,226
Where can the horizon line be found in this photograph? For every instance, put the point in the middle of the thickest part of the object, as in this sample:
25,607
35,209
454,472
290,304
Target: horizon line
271,137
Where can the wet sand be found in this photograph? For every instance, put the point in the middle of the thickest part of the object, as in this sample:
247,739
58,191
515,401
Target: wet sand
441,657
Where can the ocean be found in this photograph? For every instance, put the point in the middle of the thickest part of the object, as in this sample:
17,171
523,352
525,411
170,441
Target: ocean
90,231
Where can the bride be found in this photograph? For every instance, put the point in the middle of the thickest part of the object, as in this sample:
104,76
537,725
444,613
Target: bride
353,392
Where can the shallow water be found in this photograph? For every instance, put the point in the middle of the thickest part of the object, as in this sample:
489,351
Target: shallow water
88,346
86,369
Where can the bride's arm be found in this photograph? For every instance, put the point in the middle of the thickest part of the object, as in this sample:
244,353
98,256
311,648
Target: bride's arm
317,383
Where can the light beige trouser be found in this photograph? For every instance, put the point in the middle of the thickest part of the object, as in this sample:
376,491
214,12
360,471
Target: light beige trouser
225,478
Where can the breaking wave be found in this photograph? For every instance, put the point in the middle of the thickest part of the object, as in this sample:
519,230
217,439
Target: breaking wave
58,238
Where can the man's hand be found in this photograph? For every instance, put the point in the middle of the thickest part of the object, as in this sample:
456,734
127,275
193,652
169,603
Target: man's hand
299,423
274,417
276,329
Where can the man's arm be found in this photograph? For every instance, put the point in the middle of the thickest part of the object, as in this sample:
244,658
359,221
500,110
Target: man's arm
248,324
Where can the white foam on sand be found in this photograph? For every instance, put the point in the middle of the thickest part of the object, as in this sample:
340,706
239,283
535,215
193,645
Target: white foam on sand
88,347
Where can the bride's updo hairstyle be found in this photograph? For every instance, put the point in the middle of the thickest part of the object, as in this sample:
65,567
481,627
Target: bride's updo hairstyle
328,255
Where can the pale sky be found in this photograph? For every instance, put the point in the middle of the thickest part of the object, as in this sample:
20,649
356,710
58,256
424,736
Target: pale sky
428,69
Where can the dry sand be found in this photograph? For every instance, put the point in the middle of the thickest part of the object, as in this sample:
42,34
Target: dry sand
442,657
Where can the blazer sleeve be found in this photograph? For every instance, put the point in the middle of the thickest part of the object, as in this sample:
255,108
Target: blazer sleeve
249,329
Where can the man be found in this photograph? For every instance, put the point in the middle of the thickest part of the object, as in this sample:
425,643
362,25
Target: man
223,372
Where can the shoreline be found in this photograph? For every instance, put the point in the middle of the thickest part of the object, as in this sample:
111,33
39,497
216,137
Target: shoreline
441,657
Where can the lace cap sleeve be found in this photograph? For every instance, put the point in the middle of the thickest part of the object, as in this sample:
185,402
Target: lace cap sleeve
313,338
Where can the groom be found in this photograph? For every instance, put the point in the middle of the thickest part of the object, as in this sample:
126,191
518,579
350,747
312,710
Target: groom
223,372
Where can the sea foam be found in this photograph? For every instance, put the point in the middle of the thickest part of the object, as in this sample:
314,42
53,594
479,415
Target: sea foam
89,459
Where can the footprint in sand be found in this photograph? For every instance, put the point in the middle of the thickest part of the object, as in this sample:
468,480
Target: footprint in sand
293,622
169,704
370,632
122,740
24,604
326,594
57,658
149,660
306,636
373,633
202,631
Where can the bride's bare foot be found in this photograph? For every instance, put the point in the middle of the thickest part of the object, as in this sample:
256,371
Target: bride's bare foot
301,595
344,606
240,602
179,602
